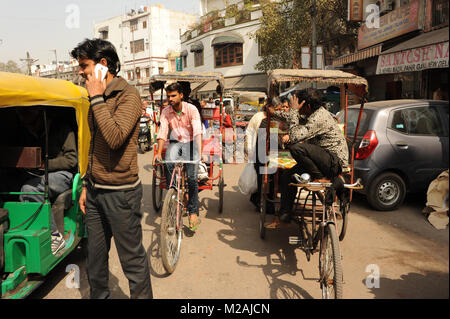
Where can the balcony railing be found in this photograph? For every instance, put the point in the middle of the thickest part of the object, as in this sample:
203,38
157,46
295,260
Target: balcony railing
241,12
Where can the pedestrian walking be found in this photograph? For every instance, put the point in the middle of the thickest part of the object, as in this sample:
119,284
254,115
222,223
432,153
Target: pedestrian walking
112,190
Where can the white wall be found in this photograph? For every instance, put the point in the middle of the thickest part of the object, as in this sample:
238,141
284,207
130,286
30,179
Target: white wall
250,51
161,37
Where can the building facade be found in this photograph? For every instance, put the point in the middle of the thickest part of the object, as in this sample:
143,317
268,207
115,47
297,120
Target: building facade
222,42
147,41
405,55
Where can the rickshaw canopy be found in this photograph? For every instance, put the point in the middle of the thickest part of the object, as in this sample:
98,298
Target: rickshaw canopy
332,77
18,90
190,77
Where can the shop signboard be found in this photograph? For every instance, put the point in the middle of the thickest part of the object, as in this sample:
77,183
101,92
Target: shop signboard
179,65
355,10
433,56
400,21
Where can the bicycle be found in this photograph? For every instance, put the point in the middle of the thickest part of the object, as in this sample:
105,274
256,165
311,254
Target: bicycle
320,232
173,210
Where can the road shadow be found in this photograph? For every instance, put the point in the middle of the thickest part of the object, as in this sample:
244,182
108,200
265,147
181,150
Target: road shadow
62,271
408,218
430,285
242,233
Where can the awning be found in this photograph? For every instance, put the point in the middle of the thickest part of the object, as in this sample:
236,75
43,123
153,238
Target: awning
426,51
226,39
184,53
357,56
209,87
422,40
197,47
252,82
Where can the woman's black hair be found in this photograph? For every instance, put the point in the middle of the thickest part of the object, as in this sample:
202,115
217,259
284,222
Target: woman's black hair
96,49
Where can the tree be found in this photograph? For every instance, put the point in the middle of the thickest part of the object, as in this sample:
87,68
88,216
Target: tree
286,27
10,66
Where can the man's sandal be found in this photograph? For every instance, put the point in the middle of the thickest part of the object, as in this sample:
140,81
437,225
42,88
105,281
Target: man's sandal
193,225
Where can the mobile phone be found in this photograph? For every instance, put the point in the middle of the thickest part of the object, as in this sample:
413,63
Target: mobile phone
102,68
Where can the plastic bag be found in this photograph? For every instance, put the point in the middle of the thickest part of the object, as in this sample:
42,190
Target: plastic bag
248,181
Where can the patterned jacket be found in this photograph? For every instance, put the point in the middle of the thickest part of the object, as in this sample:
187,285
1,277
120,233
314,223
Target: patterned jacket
320,129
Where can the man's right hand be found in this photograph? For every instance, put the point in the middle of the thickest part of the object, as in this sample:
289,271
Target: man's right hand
158,157
82,200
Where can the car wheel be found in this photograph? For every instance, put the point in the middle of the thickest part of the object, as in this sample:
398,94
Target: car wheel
386,192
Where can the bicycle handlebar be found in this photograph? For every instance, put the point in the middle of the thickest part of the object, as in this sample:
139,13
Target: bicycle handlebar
355,185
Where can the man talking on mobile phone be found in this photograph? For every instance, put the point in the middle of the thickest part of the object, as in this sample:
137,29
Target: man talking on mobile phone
112,190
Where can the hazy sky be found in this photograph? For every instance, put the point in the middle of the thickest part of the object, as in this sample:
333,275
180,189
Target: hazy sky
39,26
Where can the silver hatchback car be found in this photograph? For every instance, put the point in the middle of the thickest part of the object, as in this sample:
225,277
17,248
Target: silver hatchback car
402,146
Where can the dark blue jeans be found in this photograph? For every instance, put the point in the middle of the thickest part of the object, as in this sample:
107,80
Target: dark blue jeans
178,152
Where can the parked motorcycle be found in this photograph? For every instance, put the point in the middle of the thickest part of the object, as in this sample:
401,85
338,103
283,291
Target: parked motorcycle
145,134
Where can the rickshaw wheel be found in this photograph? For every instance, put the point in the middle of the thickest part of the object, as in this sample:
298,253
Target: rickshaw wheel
157,191
221,188
262,212
330,266
170,235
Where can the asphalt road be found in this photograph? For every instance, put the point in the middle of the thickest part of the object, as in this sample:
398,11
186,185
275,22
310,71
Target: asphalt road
227,259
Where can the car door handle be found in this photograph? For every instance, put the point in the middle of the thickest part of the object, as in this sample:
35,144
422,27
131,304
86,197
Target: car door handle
402,144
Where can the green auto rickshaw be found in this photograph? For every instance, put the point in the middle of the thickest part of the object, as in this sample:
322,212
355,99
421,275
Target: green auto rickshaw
25,227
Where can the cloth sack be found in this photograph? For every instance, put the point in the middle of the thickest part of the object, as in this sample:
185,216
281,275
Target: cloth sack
248,183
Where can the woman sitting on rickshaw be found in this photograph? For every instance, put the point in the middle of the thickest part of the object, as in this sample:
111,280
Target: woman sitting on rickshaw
315,142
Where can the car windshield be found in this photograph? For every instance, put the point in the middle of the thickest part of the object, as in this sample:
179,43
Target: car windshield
352,121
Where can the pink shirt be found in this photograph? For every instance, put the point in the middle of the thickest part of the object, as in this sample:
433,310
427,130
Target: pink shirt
183,127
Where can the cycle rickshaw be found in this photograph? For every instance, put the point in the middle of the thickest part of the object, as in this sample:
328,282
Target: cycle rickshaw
172,204
321,226
25,227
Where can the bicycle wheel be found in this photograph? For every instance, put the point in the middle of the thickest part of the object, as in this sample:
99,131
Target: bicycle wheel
157,191
262,212
170,235
330,267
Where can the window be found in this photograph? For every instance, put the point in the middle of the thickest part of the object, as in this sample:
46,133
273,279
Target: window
418,121
144,25
138,73
104,35
198,58
161,70
228,55
133,25
184,62
260,49
137,46
440,12
352,121
147,72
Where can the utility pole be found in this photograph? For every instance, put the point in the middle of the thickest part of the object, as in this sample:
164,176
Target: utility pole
56,58
314,35
30,61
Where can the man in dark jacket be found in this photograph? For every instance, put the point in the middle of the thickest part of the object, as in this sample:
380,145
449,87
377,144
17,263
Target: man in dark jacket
112,190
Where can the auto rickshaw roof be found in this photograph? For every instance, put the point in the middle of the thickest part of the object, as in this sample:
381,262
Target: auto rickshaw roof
335,77
18,90
22,90
190,77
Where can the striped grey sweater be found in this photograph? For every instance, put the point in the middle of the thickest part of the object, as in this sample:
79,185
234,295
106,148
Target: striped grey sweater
114,124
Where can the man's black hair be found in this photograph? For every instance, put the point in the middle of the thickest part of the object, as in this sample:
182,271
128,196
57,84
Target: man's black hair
313,97
175,87
284,99
96,49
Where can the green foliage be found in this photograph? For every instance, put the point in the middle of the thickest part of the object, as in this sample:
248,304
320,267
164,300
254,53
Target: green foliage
286,27
10,66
